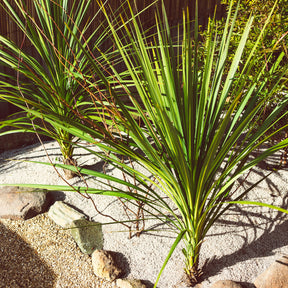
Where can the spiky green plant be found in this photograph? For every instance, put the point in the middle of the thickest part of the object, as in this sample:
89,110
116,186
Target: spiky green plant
40,79
195,137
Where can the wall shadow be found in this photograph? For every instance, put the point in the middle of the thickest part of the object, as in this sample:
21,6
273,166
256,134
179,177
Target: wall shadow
20,266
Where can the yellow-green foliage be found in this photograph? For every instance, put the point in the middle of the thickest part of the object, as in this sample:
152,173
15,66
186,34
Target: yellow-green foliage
276,35
275,40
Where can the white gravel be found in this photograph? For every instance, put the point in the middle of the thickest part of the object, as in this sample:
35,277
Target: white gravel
241,245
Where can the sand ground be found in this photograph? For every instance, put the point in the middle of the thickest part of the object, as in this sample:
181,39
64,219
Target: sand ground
240,246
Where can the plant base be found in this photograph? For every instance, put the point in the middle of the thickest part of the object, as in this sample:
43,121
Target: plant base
68,173
193,276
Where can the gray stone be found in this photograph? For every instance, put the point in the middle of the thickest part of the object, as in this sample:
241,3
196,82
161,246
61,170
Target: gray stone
104,265
21,203
63,214
88,235
226,284
276,276
130,283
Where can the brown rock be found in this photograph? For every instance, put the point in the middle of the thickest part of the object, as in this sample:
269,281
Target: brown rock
20,203
104,265
130,283
276,276
226,284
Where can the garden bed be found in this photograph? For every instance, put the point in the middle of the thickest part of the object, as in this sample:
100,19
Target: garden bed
240,246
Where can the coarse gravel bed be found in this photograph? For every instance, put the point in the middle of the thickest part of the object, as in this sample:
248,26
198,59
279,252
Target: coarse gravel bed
37,253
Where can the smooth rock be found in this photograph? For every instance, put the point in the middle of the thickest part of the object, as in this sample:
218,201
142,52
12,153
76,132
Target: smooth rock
276,276
130,283
226,284
21,203
104,265
63,214
88,235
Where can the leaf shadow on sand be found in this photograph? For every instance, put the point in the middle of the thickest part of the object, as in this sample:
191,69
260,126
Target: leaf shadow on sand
272,232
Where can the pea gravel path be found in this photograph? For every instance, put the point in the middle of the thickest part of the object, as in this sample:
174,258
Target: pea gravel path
36,253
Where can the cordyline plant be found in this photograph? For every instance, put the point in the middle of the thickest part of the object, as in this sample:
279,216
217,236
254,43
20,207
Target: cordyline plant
194,138
41,79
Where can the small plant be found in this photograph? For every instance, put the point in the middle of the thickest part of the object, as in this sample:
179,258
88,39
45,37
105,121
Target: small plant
194,136
44,81
40,79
